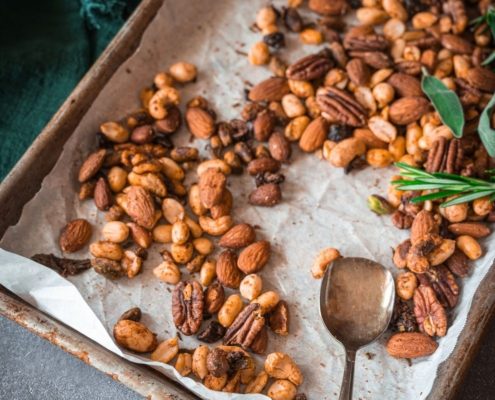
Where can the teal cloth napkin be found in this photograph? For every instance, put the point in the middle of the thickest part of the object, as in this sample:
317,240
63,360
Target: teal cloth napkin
45,49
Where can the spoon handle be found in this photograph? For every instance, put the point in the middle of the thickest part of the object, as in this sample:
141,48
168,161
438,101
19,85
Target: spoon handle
347,380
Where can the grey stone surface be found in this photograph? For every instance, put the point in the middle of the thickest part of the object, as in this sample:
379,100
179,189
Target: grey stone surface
33,369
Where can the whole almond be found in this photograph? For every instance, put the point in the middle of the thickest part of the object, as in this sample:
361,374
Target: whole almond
271,89
456,44
141,236
423,224
474,229
75,235
254,257
140,206
238,236
314,135
263,125
227,272
211,187
102,195
358,72
262,164
142,134
482,79
279,147
91,165
406,85
411,345
200,122
408,109
328,7
266,195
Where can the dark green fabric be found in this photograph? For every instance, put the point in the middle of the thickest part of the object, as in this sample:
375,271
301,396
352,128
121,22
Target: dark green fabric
45,49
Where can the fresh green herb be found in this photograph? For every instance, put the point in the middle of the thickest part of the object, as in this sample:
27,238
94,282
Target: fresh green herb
489,19
445,101
485,131
489,59
444,185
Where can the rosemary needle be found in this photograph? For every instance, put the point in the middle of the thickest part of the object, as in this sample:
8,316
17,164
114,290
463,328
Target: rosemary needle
444,185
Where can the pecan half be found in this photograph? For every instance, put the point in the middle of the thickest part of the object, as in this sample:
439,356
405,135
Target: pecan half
430,315
457,11
371,42
340,106
213,332
442,281
245,327
401,220
310,67
187,307
445,156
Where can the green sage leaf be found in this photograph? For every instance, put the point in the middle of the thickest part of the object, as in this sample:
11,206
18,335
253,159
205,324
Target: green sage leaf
485,131
445,102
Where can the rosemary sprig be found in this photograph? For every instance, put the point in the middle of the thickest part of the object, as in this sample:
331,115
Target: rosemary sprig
444,185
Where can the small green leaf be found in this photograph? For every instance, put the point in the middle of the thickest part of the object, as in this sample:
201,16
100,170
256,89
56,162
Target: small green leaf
433,196
467,197
445,102
490,19
485,131
489,59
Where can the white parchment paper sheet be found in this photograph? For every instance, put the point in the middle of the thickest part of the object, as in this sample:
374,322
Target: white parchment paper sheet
322,207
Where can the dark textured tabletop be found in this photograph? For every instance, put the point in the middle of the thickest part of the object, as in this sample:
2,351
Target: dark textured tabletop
33,369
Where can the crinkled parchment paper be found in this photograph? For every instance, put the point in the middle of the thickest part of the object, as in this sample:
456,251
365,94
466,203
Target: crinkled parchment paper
321,207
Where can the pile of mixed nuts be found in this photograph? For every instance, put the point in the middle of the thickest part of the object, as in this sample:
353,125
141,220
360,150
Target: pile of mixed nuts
357,102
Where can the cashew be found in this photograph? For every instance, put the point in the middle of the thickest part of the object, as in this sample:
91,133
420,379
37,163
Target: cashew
323,260
183,365
281,366
171,169
149,181
106,249
199,361
216,227
163,97
258,383
166,350
216,164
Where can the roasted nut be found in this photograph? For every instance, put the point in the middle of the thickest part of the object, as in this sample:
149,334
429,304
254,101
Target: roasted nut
279,147
162,233
139,235
482,206
211,187
259,54
180,232
102,195
279,319
166,350
162,98
423,225
199,357
238,236
267,301
476,230
117,179
203,246
266,195
230,309
216,227
182,253
345,151
411,345
442,252
105,249
282,389
251,286
254,257
140,206
405,285
212,333
183,365
133,314
469,246
227,269
208,272
194,227
131,263
108,268
172,210
75,235
458,263
114,132
311,36
430,314
258,383
280,366
214,298
214,383
455,213
134,336
183,72
323,260
167,272
187,307
400,254
91,165
217,363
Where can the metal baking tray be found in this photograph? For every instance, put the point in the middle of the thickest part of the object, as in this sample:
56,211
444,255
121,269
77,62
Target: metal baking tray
25,180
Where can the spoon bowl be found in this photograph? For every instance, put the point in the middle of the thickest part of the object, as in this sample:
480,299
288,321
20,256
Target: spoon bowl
356,304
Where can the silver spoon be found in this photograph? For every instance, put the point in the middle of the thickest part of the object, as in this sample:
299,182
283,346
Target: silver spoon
356,303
